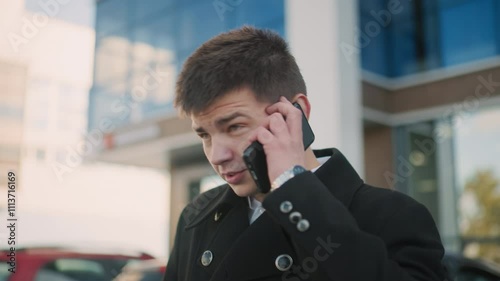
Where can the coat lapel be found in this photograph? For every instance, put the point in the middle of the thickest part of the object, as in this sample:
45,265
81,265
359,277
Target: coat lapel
222,225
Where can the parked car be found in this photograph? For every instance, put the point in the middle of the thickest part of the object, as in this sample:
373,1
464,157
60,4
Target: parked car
461,268
65,264
149,270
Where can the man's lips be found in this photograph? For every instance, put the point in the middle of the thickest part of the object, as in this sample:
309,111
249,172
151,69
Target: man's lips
234,177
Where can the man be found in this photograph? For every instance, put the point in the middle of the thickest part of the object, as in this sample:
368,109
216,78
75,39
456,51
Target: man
319,221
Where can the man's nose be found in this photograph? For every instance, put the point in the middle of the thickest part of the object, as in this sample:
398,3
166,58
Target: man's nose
220,153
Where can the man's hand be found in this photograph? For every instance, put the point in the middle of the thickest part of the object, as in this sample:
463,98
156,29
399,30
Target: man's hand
281,137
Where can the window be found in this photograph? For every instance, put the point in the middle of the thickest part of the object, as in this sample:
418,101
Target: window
416,165
4,271
142,10
11,112
40,154
467,30
73,269
136,37
427,34
111,15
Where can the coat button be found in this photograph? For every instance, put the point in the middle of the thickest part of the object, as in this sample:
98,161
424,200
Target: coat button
303,225
286,207
295,217
283,262
206,258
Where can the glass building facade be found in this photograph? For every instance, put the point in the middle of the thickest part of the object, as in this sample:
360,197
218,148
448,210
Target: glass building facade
141,46
401,37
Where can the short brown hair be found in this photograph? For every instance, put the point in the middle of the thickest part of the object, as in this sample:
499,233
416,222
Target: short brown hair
244,57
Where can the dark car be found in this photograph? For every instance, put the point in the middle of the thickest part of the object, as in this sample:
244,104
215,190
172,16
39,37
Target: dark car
149,270
64,264
461,268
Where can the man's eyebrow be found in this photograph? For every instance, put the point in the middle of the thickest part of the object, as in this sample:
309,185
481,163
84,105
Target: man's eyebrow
221,121
224,120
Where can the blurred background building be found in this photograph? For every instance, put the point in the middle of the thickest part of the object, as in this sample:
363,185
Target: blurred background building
46,66
408,90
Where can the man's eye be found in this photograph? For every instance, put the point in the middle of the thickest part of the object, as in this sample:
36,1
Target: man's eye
234,127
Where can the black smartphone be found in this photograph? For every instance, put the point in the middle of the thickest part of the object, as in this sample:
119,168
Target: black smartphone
255,158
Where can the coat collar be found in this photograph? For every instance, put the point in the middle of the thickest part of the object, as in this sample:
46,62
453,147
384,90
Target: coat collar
343,184
338,175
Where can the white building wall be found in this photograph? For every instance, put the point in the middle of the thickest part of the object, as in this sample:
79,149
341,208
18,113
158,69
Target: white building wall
315,31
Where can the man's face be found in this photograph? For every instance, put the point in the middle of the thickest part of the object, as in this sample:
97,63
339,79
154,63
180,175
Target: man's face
224,128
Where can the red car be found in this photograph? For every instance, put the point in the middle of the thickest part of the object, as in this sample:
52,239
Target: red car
149,270
63,264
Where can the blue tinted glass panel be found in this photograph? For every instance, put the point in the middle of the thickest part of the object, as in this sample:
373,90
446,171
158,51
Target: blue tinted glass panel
112,60
496,11
144,9
403,42
373,55
141,46
402,38
111,16
157,32
373,48
467,30
196,24
432,58
114,108
153,69
257,12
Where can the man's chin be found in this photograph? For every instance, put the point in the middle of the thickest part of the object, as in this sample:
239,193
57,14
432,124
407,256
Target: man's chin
244,190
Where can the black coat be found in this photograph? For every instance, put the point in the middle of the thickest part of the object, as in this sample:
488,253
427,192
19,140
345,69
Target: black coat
355,232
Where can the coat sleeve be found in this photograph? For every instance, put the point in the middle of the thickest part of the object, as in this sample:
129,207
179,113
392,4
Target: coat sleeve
172,270
407,246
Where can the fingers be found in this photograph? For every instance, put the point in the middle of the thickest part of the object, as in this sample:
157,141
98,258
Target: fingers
272,134
282,126
278,126
290,114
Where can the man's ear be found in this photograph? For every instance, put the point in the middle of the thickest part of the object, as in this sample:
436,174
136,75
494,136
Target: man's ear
303,101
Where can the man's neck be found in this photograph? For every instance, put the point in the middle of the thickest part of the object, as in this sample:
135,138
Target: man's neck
311,160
